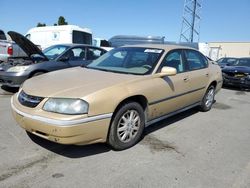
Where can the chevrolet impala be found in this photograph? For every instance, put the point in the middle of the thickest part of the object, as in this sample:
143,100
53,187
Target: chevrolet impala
115,97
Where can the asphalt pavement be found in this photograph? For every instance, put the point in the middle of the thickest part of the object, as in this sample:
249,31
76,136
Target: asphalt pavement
192,149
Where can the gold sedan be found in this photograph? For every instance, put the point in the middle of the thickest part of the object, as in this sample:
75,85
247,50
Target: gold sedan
116,96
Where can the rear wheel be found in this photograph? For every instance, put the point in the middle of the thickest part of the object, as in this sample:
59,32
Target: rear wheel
208,99
127,126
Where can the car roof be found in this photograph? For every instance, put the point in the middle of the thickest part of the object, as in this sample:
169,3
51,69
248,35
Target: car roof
166,47
75,45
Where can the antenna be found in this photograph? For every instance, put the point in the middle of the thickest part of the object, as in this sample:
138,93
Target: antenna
190,29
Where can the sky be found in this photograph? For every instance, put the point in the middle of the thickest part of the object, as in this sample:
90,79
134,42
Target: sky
221,20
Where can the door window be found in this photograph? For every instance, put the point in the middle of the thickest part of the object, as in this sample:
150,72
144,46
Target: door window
173,59
195,60
94,53
75,54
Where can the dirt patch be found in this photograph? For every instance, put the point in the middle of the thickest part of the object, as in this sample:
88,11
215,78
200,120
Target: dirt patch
157,145
240,93
18,169
57,175
221,106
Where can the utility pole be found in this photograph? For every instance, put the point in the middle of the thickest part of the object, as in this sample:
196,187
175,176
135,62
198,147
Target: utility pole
190,29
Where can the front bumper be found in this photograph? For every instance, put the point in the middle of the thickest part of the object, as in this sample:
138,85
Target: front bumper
79,132
239,82
13,79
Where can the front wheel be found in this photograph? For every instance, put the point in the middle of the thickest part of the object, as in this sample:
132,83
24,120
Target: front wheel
127,126
208,99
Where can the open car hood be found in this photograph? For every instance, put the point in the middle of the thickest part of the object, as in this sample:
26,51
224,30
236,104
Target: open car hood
27,46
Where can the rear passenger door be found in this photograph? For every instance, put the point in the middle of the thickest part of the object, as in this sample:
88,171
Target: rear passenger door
198,74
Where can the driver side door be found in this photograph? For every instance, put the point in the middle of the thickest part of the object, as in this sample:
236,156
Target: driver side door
170,92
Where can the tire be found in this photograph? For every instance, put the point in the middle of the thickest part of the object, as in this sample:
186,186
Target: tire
208,99
127,126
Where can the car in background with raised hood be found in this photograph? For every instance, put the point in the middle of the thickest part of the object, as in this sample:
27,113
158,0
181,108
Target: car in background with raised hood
116,96
237,74
14,72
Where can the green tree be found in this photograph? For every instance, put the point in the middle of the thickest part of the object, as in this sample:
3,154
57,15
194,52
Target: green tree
41,24
62,21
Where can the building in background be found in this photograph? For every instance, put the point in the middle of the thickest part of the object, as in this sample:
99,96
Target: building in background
229,49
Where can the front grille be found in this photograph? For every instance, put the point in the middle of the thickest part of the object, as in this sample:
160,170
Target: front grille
236,75
28,100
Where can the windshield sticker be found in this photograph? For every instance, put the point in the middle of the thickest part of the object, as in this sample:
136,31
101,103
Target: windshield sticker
153,51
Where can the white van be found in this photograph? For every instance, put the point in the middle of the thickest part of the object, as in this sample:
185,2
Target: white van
65,34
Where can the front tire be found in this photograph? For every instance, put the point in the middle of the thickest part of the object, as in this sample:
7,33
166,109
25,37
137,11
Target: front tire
208,99
127,126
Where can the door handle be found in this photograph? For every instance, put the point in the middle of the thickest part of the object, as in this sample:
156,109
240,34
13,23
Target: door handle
186,79
207,75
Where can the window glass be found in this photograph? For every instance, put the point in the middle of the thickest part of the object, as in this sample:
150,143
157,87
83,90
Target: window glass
195,60
94,53
2,35
75,54
54,51
128,60
80,37
174,59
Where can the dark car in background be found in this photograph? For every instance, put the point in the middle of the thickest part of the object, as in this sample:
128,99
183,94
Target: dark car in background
237,74
226,61
14,72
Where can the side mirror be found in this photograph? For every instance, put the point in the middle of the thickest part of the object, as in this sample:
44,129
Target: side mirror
64,59
167,71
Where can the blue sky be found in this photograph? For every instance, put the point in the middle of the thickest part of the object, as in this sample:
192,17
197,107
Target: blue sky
222,20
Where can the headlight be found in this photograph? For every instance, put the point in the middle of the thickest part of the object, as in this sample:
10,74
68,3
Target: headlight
66,106
17,69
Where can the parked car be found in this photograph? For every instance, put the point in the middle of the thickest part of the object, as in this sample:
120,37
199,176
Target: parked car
226,61
61,34
15,72
116,96
238,73
9,49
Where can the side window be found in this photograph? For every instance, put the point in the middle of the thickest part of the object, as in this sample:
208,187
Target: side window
174,59
195,60
75,54
94,53
80,37
2,35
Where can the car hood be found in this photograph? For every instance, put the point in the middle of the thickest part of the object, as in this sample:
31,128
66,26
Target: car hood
27,46
242,69
74,82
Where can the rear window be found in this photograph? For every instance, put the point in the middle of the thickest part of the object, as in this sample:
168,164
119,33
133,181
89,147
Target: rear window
2,35
80,37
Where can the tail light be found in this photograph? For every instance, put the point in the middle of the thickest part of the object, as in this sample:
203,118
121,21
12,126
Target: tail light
10,50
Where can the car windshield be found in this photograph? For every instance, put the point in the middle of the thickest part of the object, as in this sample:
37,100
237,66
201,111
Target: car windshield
242,62
227,61
54,51
128,60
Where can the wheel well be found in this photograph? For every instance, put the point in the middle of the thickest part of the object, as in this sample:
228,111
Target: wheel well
36,71
214,83
142,100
